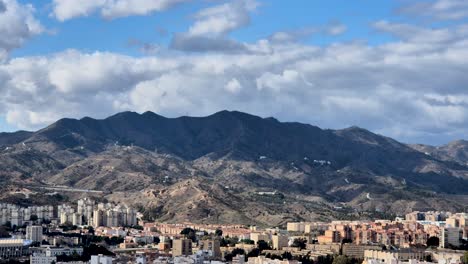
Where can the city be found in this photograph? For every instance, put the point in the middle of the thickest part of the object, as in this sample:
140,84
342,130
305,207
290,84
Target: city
91,232
234,131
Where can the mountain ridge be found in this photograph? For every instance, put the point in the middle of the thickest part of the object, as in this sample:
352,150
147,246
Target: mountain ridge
240,153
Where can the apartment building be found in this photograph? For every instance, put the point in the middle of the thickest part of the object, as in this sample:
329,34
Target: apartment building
181,247
34,233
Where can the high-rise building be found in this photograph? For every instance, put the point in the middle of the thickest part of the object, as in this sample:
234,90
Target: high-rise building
450,236
112,218
181,247
77,219
34,233
131,218
99,218
279,241
213,247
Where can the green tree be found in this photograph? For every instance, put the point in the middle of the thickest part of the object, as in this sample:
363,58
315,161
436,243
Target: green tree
189,233
237,251
33,218
219,232
7,225
156,240
4,232
433,242
340,260
325,260
465,257
263,245
299,243
247,241
305,259
113,241
428,258
253,253
286,255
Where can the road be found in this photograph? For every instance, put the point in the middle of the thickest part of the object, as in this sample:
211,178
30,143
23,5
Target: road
66,189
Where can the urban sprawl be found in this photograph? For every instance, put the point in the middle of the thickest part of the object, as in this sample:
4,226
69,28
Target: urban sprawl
91,232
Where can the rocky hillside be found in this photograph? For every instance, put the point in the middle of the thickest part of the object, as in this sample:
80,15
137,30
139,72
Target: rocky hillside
454,151
236,167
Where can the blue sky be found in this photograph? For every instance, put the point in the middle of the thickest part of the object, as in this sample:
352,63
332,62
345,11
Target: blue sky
95,33
390,66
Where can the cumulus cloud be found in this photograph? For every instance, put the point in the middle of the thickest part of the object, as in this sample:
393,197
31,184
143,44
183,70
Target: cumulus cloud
222,19
109,9
333,29
186,42
293,35
211,26
233,86
438,9
417,34
17,25
276,82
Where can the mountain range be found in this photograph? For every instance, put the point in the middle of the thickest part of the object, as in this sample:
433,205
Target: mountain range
233,167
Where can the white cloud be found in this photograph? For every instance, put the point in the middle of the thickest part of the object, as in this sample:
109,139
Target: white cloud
333,29
17,25
422,35
276,82
439,9
222,19
233,86
293,35
212,25
110,9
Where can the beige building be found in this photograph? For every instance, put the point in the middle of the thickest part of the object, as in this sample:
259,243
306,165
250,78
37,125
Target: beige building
279,241
447,255
259,236
400,255
99,218
296,227
450,236
332,248
264,260
212,246
357,251
181,247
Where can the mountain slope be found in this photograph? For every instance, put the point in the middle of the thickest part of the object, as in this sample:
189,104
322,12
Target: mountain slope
454,151
13,138
239,155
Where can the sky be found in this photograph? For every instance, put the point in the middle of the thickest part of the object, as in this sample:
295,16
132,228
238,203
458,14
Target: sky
396,67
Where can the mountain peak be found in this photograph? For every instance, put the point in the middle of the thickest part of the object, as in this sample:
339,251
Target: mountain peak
124,115
459,142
